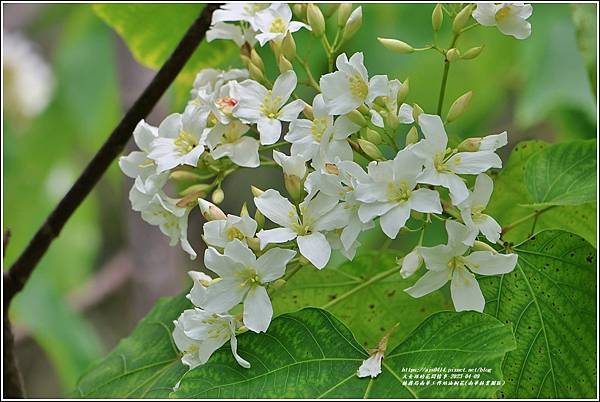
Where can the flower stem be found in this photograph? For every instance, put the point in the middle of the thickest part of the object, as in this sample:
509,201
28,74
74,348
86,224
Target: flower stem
445,76
534,215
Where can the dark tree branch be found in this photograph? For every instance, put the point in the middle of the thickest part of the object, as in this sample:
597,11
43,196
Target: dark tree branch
17,276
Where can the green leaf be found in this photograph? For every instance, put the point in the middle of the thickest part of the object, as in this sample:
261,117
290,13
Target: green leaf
563,174
510,192
152,31
310,354
365,294
144,365
550,298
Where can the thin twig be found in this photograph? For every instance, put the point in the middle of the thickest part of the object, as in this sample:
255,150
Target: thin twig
17,276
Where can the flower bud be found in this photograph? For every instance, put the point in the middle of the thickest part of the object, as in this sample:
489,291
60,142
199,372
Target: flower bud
308,111
253,242
184,175
357,118
293,185
437,17
372,136
481,246
190,200
403,92
472,53
245,60
257,60
396,45
411,263
260,219
461,19
459,106
244,210
343,14
370,149
452,55
331,8
315,20
288,46
417,112
210,211
200,187
299,10
284,64
332,168
256,73
353,24
218,196
412,137
257,192
470,145
391,120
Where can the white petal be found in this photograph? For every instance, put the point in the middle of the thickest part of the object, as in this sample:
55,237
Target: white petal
351,232
378,86
223,295
258,310
489,228
238,358
144,134
515,26
465,290
488,263
392,221
457,232
376,118
132,164
425,200
284,85
436,258
269,130
405,114
276,208
493,142
291,111
315,248
271,265
278,235
368,212
411,263
485,14
484,186
343,128
433,129
197,294
239,252
430,282
336,218
458,189
474,162
245,152
371,367
220,264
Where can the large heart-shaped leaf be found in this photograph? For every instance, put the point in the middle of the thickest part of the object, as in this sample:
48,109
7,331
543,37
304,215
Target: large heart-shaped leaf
509,186
311,354
366,294
563,174
550,298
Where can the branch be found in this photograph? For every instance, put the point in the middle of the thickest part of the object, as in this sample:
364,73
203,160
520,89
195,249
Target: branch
17,276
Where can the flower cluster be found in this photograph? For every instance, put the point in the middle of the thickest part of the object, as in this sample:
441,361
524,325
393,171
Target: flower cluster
345,173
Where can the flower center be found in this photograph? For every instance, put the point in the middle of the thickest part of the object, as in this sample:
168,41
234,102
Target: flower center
477,213
185,142
503,13
252,9
318,128
399,192
218,327
358,87
277,26
226,104
270,106
234,233
249,278
440,161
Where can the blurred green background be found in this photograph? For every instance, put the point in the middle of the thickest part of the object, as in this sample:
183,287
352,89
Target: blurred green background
107,267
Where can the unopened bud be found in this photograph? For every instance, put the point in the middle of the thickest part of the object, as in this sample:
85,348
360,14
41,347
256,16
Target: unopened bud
353,24
299,10
260,219
257,192
244,210
370,149
253,243
343,14
257,60
461,19
288,46
331,8
256,73
437,17
332,168
417,112
392,121
357,118
218,196
184,175
396,45
245,60
200,187
481,246
210,211
459,106
411,263
284,64
403,92
293,185
452,55
372,136
472,53
470,145
308,111
412,137
190,200
315,20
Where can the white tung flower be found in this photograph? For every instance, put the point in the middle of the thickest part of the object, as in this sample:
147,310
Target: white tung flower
163,212
371,367
404,113
510,18
472,208
391,193
236,12
275,22
318,214
198,334
210,79
349,87
448,263
200,281
321,139
219,232
243,278
137,163
442,165
238,34
229,140
266,107
180,141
